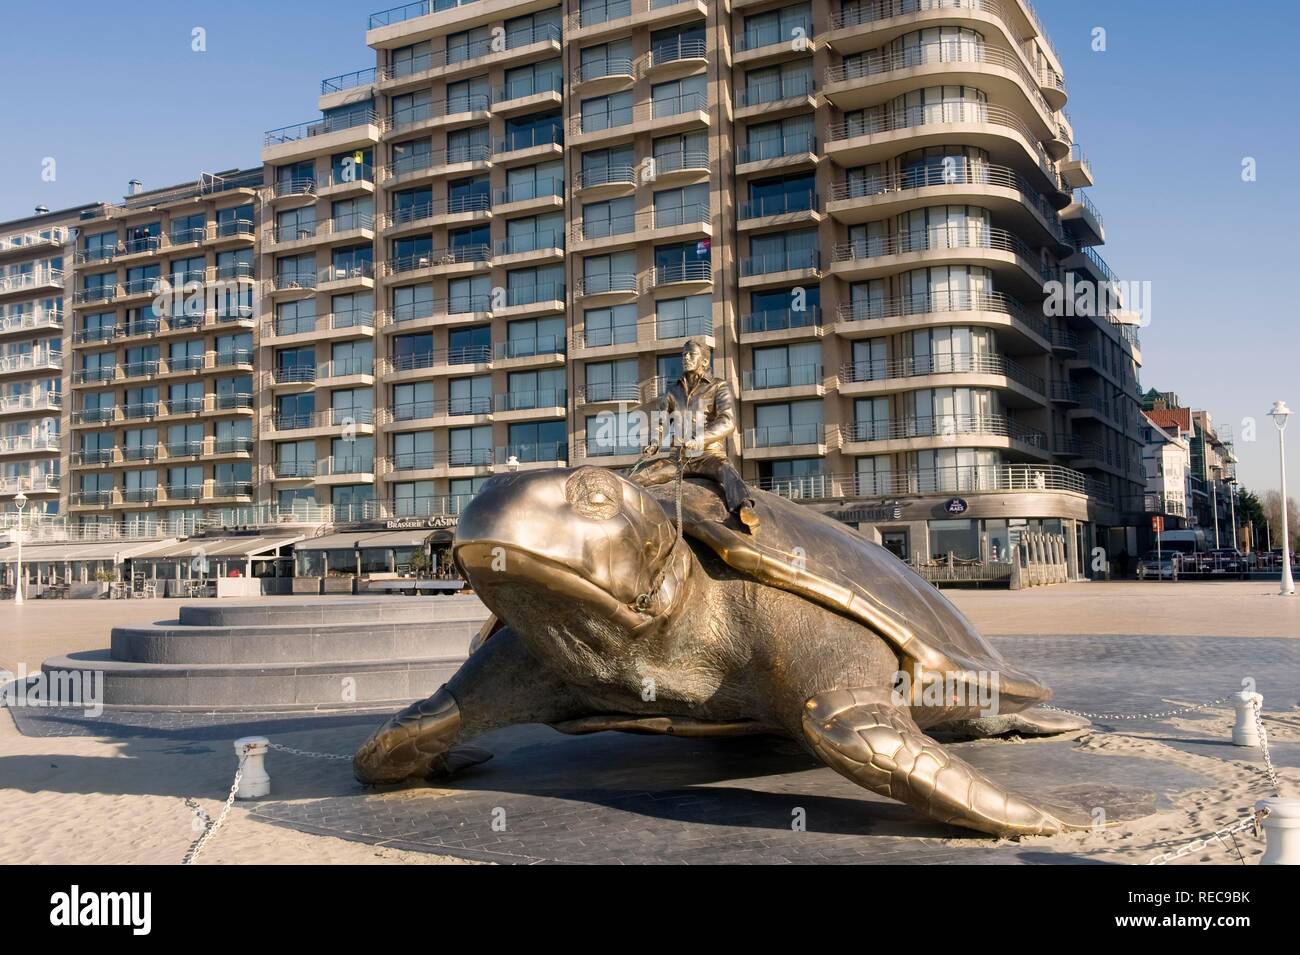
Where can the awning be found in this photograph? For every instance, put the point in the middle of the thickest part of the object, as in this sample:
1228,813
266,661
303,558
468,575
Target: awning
244,547
330,542
413,538
73,551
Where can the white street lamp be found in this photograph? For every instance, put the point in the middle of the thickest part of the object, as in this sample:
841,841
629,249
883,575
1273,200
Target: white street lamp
1279,413
19,502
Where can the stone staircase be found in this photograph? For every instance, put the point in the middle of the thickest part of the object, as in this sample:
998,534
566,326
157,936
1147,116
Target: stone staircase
290,654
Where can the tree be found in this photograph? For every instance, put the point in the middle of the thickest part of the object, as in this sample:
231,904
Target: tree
1271,502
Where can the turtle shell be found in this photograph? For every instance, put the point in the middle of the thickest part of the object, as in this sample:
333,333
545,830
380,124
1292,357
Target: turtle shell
804,552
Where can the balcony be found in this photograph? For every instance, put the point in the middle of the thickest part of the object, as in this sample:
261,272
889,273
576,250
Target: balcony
676,57
526,350
881,316
652,226
353,467
661,115
533,143
615,284
441,359
29,443
347,81
780,267
334,133
346,274
421,166
1001,73
31,403
343,324
95,295
973,243
944,428
529,247
39,359
300,281
985,366
779,210
782,323
466,258
687,277
878,134
605,180
455,109
604,75
764,154
769,42
24,242
533,92
800,378
34,319
323,422
787,436
1012,478
94,376
607,392
776,97
999,189
422,215
517,197
600,19
550,401
469,55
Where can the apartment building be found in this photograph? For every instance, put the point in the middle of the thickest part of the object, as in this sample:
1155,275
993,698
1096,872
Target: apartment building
1211,465
491,245
161,357
511,223
35,264
1167,462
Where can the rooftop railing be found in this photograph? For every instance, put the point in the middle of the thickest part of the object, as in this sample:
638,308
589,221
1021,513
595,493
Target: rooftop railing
347,81
327,124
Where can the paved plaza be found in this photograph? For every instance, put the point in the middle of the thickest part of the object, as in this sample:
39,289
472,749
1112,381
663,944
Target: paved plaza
546,797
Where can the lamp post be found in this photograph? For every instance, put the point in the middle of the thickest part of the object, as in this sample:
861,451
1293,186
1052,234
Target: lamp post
1214,500
1279,413
19,502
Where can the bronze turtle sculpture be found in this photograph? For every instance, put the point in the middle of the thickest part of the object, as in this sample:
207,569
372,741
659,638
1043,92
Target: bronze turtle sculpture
606,618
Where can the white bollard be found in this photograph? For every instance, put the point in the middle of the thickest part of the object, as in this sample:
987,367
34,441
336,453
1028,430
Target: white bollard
1281,831
1245,732
255,782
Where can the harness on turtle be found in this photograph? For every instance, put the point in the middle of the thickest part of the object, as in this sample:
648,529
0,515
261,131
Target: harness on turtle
642,602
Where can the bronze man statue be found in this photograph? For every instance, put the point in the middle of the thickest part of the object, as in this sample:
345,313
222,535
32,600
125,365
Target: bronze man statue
710,408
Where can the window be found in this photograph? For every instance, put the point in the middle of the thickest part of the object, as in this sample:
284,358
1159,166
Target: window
534,336
469,396
684,317
537,129
535,389
470,446
785,424
412,401
531,182
412,450
608,218
786,366
469,345
533,79
612,380
606,112
615,325
538,441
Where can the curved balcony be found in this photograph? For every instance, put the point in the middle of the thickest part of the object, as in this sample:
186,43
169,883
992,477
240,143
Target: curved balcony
676,57
605,180
882,316
993,478
615,284
877,77
881,134
944,428
978,370
973,244
783,377
1000,189
686,277
604,75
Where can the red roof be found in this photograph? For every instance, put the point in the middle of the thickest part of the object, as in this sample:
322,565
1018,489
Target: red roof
1173,419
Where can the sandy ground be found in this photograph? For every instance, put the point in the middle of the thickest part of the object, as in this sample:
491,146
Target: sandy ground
91,800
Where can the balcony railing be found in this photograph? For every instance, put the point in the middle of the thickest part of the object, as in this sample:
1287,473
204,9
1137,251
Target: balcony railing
783,203
528,400
889,119
423,162
971,236
957,172
784,376
31,320
756,38
677,49
953,364
939,303
544,241
775,262
780,147
679,272
524,191
532,347
792,86
530,138
610,282
471,355
584,230
464,52
422,211
347,81
330,418
1017,478
620,66
889,429
528,86
947,51
781,319
784,436
327,124
605,176
663,108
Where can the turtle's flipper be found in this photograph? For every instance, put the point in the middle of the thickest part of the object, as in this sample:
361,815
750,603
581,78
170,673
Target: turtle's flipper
417,744
1035,721
862,734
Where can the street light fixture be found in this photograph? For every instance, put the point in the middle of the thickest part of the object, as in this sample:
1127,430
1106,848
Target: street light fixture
1279,413
19,502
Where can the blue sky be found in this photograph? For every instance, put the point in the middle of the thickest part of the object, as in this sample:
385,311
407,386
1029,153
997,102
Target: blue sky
1183,92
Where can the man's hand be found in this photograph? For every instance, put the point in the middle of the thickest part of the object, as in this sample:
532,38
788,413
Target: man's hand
695,444
649,449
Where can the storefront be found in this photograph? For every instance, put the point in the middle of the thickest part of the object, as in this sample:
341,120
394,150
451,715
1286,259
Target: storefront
217,558
73,564
419,547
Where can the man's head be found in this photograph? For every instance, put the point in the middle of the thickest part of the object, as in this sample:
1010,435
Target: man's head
696,357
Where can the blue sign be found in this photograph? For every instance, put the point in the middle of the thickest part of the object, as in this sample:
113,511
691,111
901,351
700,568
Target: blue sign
956,506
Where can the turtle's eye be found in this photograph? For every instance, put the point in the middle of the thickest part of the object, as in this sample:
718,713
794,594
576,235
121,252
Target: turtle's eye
594,493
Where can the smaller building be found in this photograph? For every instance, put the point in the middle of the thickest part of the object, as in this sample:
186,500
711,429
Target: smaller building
1167,461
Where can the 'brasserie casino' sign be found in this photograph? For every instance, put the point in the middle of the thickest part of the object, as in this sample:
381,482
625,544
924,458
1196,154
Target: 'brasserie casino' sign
420,523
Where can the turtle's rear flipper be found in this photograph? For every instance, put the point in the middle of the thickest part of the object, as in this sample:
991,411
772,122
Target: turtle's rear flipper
862,734
417,744
1035,721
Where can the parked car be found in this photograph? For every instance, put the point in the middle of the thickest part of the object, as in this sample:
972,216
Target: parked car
1158,564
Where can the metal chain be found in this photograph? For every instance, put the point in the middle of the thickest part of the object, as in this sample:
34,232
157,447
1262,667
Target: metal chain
192,855
1140,716
1253,822
1263,747
305,752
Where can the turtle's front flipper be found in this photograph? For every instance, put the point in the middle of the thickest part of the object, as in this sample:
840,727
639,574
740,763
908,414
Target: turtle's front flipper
864,735
499,685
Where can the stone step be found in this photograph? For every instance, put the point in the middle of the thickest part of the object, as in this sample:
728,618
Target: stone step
220,686
325,642
358,610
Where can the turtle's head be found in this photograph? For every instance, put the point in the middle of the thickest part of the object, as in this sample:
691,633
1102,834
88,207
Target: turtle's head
570,544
